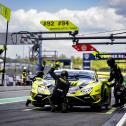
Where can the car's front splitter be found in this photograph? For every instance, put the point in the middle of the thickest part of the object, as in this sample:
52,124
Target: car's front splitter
84,100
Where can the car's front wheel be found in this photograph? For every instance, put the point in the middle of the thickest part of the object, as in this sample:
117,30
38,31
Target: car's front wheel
106,99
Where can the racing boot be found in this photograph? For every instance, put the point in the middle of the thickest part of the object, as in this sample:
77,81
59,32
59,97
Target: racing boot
64,107
116,103
53,108
28,102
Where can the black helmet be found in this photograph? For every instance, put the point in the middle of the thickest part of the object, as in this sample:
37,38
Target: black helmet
64,73
39,74
111,61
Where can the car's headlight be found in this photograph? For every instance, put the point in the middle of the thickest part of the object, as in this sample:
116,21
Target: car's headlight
39,82
73,89
87,90
47,83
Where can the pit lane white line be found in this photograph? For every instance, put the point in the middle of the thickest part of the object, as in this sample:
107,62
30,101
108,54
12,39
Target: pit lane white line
25,110
122,120
111,110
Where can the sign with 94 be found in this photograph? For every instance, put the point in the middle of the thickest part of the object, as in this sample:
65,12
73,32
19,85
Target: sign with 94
59,25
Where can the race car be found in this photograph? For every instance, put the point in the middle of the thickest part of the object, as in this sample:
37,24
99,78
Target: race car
85,90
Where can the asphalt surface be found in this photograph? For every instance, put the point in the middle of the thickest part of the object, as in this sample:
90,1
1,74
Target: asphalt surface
17,114
14,91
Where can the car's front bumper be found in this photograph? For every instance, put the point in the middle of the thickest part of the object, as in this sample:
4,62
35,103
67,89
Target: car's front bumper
40,99
83,100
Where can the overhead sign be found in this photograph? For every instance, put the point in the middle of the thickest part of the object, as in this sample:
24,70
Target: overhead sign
83,47
5,12
98,54
104,56
59,25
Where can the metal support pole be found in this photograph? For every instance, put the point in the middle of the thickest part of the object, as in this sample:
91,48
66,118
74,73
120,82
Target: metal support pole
5,47
40,55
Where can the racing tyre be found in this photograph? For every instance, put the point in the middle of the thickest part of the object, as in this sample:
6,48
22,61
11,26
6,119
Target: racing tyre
106,99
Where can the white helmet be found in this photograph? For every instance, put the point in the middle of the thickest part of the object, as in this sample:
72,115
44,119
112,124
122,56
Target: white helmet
24,68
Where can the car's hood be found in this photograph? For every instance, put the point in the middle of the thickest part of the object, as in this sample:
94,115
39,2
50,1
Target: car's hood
85,82
80,82
78,87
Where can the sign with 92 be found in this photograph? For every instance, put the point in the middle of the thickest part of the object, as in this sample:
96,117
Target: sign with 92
58,25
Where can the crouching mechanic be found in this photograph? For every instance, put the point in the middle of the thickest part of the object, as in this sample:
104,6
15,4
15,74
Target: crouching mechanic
116,75
61,88
38,77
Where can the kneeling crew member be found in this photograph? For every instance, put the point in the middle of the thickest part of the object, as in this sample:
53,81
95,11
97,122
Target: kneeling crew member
60,90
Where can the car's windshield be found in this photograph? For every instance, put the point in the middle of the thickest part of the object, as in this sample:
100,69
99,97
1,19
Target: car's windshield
74,75
87,75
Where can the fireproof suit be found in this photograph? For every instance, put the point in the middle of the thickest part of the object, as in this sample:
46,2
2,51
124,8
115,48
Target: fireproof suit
116,75
60,90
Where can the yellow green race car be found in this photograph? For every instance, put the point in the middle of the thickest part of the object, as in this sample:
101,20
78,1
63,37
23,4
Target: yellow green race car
85,90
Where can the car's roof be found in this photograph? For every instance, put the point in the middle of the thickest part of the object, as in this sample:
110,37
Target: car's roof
75,70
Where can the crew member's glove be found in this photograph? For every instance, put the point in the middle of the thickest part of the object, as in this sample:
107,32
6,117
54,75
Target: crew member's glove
2,70
106,82
108,85
57,65
44,63
5,47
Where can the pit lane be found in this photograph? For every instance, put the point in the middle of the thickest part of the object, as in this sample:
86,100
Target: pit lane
13,114
17,114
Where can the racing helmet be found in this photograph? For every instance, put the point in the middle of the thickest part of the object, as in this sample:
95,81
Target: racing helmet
111,61
39,74
24,68
64,73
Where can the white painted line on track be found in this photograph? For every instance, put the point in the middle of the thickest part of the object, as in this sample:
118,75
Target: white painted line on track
25,110
111,110
122,120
